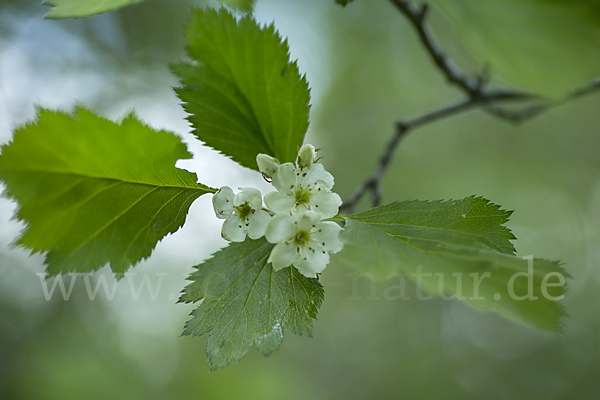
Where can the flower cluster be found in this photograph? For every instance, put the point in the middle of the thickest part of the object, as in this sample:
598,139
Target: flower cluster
295,215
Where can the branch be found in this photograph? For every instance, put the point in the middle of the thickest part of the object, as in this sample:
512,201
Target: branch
536,109
402,128
472,87
477,91
417,16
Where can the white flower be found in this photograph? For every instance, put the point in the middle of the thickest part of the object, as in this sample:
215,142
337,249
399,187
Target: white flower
307,156
303,189
304,241
267,165
242,212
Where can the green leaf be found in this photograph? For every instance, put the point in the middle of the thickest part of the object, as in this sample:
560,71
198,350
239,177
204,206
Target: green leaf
343,3
84,8
244,95
445,247
543,45
246,302
471,222
242,5
92,191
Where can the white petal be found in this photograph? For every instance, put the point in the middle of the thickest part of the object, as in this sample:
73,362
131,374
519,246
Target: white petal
223,202
284,178
257,224
311,262
307,155
282,255
249,195
327,234
304,220
267,165
279,203
233,229
316,175
280,229
326,204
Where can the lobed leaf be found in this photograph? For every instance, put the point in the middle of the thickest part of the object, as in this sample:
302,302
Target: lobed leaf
245,302
94,192
243,94
470,222
445,247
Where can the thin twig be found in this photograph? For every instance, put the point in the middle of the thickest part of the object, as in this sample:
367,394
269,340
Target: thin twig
531,111
477,91
417,16
373,183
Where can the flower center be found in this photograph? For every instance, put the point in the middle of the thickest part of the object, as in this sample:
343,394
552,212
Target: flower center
303,196
244,210
302,238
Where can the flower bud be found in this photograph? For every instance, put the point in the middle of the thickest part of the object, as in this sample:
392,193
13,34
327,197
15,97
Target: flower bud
267,165
307,156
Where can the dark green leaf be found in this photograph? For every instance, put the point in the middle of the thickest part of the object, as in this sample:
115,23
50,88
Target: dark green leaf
244,95
446,243
245,302
470,222
84,8
343,3
92,191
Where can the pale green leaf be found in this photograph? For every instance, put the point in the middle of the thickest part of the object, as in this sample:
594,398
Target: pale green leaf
93,192
87,8
543,45
84,8
245,302
433,244
243,94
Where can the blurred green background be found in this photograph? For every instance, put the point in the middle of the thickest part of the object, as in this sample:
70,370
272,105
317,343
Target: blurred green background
367,70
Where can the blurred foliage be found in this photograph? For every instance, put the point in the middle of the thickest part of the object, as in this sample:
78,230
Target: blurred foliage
84,8
372,72
547,46
242,5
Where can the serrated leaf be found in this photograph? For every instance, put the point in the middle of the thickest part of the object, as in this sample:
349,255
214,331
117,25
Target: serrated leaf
245,302
94,192
243,94
470,222
84,8
433,244
543,45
